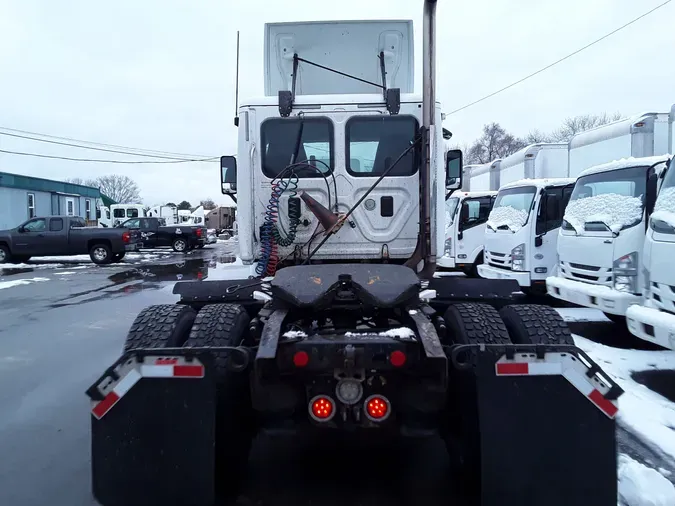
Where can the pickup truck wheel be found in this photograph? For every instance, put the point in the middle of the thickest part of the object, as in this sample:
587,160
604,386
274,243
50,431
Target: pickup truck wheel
180,245
5,255
160,326
100,254
226,325
535,324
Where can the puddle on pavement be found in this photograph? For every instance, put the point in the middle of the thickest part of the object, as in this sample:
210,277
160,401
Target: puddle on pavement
186,270
660,381
11,271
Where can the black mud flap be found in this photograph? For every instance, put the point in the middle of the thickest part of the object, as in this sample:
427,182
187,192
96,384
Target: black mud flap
546,421
153,430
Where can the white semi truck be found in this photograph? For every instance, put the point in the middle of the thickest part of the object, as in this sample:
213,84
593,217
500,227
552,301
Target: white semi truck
522,230
601,241
466,214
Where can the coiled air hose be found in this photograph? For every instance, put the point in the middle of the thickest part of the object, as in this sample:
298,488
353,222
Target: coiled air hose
270,237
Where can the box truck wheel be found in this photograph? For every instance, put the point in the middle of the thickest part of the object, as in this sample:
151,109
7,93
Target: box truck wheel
534,324
467,323
226,325
161,326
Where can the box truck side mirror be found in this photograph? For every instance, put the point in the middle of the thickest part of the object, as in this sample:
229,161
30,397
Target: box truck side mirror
453,169
228,175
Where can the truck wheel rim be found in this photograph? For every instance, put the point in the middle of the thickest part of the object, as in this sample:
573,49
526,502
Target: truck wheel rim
3,257
100,254
180,245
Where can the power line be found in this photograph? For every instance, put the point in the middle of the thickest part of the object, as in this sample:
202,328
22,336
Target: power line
89,147
80,141
40,155
560,60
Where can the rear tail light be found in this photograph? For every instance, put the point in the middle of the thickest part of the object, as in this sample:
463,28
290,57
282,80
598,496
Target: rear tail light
126,237
322,408
300,359
199,232
377,408
397,358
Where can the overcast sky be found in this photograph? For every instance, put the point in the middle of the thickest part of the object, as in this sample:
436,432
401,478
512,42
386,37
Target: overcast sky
159,74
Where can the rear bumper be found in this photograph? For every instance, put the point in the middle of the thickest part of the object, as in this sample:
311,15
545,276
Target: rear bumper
652,325
447,262
603,298
132,247
523,278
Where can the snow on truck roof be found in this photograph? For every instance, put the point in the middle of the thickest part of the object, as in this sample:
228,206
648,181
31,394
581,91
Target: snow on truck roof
520,155
469,195
540,183
483,168
625,163
612,130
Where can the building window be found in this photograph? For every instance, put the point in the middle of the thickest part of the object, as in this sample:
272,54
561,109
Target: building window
70,207
31,205
87,207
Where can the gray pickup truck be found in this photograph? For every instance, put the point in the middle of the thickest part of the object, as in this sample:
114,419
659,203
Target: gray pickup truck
63,236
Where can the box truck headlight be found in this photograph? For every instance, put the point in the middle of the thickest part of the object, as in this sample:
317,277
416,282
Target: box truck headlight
448,247
518,258
625,273
661,227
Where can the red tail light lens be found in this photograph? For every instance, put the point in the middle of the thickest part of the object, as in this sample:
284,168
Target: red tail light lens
397,358
199,232
377,408
322,408
300,359
126,237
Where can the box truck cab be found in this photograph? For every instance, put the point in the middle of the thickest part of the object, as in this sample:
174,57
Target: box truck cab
521,232
466,214
603,233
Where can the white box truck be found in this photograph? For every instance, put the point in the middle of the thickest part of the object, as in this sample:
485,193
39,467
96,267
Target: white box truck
522,230
603,233
466,214
482,177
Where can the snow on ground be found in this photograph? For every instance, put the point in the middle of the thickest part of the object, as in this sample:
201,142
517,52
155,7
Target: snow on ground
65,273
581,314
513,218
19,282
614,210
71,258
641,486
31,266
648,415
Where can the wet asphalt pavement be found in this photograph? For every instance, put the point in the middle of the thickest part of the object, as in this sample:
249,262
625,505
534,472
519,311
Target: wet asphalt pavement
66,323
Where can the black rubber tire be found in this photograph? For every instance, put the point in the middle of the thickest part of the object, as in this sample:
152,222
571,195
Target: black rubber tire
100,247
6,255
161,326
180,241
474,322
117,257
535,324
467,323
226,325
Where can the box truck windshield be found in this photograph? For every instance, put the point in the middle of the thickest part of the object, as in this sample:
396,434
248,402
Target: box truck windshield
611,200
513,204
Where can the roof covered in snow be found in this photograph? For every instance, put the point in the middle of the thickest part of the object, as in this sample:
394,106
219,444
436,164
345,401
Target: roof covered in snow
615,211
625,163
540,183
532,150
611,130
477,170
468,195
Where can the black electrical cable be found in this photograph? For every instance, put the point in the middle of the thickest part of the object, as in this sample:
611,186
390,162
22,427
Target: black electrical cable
40,155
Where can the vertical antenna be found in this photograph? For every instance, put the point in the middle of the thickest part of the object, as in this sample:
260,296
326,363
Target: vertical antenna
236,89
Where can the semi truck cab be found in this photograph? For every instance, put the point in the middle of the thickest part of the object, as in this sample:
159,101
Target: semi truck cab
521,233
466,214
603,233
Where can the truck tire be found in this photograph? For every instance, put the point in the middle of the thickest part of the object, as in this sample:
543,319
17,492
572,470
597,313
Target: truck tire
117,257
535,324
161,326
100,254
180,245
5,255
226,325
472,323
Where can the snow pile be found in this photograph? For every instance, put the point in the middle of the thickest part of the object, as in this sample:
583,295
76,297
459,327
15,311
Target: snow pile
664,209
19,282
625,163
614,210
400,333
649,415
72,258
294,334
509,216
641,486
585,288
581,314
31,266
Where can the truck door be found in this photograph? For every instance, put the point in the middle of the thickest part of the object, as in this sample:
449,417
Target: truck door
55,240
473,217
30,239
148,232
549,219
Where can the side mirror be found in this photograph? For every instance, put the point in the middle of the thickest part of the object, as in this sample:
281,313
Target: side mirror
228,175
453,169
21,230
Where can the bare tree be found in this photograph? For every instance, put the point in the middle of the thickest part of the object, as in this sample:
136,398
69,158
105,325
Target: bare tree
208,204
80,181
494,143
573,125
536,136
121,189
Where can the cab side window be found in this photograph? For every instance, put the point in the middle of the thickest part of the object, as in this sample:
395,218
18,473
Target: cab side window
475,212
552,209
132,223
37,225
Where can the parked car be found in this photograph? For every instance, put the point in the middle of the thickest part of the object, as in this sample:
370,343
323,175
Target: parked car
155,233
66,235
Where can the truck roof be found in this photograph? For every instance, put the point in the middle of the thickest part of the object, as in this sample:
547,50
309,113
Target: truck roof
469,194
483,168
624,163
540,183
336,99
530,151
614,129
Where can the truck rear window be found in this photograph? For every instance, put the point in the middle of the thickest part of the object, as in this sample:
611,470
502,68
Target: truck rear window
279,138
376,142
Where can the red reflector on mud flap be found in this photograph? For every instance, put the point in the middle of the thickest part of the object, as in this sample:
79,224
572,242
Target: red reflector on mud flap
565,364
131,372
